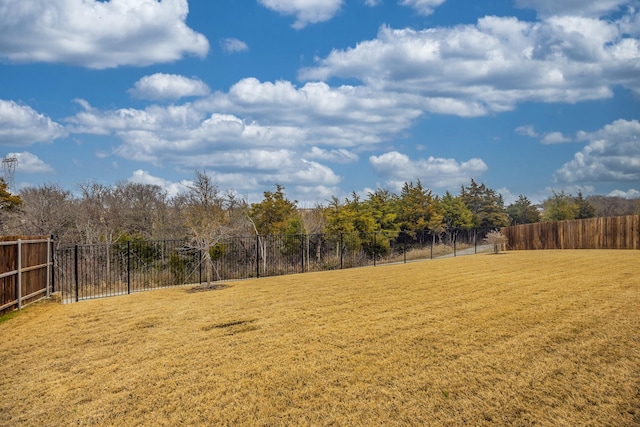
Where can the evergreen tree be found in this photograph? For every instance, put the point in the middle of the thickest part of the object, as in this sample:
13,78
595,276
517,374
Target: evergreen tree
485,204
456,215
559,207
523,212
346,220
417,208
274,213
8,201
382,206
338,218
584,208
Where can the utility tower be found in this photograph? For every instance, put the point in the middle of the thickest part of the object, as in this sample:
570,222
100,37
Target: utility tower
9,166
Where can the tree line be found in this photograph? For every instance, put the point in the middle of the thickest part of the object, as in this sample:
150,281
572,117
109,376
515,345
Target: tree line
204,215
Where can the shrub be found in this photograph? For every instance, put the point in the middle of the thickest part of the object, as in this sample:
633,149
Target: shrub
497,239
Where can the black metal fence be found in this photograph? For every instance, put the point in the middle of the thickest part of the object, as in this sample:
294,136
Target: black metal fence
101,270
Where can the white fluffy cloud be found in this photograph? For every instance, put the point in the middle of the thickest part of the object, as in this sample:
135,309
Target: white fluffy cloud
22,125
632,193
549,138
233,45
526,130
398,168
340,117
313,173
612,155
172,188
424,7
489,67
339,155
30,163
97,34
306,11
243,153
572,7
168,86
555,138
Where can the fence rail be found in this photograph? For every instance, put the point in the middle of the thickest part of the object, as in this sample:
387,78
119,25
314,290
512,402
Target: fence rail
619,232
96,271
25,271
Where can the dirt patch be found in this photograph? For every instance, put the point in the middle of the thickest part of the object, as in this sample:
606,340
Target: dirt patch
233,327
212,287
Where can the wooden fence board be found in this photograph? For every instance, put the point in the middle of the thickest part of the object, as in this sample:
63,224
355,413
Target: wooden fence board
620,232
35,273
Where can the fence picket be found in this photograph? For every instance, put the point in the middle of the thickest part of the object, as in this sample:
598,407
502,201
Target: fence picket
24,263
94,271
621,232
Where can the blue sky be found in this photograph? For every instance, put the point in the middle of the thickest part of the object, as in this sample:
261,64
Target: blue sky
325,97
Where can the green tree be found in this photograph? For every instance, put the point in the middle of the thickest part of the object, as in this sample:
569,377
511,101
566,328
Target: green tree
436,223
559,207
523,211
382,206
8,202
417,208
456,215
273,216
584,208
337,217
274,213
357,221
486,205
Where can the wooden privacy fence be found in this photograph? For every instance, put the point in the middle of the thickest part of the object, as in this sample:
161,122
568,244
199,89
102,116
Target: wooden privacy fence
618,232
25,270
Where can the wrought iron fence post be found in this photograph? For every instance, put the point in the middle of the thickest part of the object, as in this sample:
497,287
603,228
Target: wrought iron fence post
128,267
374,247
431,244
475,240
302,252
341,250
75,268
257,255
455,239
404,248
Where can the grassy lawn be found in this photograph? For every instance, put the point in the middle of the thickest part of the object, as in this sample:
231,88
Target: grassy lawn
544,338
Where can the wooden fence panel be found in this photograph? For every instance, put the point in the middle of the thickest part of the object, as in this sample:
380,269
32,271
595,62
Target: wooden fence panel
619,232
25,270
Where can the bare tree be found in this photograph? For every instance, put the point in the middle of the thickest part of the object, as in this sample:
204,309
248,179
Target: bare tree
48,210
614,206
211,218
98,217
314,223
143,209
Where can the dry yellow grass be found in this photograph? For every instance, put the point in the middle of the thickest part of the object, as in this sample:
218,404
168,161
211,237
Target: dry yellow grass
547,338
